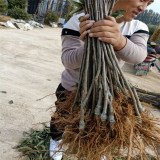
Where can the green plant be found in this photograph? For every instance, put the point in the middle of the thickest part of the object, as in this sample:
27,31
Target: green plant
3,6
16,3
50,16
72,7
18,13
35,145
152,28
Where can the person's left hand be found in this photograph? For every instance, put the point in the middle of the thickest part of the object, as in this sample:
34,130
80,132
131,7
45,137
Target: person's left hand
108,31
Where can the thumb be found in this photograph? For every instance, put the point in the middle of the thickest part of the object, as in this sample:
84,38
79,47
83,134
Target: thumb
111,18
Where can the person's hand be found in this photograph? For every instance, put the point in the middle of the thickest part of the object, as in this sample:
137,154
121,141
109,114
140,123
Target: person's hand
85,25
108,31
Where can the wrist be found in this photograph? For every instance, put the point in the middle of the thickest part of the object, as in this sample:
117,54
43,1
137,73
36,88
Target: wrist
121,44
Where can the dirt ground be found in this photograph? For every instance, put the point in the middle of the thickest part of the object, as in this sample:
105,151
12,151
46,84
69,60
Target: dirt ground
4,18
30,68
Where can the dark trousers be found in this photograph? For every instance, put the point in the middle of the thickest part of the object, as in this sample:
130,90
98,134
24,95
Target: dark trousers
55,134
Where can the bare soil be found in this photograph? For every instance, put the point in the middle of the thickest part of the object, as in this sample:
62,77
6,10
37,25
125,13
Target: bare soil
4,18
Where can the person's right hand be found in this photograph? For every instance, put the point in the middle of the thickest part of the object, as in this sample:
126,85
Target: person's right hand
84,26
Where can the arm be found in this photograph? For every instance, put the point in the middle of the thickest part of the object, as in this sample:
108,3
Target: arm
72,43
72,51
135,50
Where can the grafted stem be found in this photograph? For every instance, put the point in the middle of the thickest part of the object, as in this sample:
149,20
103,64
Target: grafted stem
100,74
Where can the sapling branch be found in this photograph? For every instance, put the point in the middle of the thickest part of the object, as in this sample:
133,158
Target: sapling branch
100,74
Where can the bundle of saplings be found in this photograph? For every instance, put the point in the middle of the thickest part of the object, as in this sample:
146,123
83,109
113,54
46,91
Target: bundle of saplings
149,97
103,116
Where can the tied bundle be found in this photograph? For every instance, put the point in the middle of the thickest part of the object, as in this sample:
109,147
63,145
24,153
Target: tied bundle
104,116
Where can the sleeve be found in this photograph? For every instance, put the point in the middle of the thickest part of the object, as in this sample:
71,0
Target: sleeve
135,50
72,46
72,51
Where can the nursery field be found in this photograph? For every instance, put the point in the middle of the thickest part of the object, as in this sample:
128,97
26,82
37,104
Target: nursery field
30,69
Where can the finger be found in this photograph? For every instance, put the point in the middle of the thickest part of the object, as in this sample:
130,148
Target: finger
85,23
103,34
84,18
104,23
83,35
111,18
102,29
107,40
86,27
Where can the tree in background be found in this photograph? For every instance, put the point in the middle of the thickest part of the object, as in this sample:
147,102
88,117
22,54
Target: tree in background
3,6
50,4
16,9
149,17
16,3
152,28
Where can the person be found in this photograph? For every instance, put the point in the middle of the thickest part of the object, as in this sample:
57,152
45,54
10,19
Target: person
127,36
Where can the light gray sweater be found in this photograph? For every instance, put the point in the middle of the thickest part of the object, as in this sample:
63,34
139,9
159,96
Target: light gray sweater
134,52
